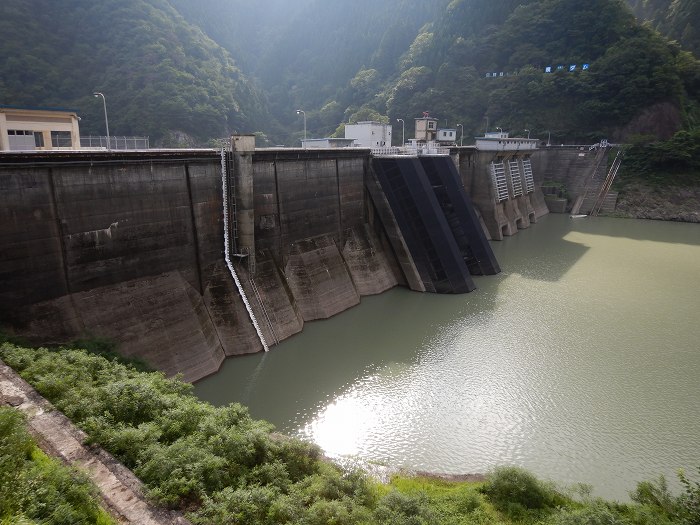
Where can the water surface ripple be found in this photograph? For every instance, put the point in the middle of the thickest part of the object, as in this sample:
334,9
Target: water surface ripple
580,362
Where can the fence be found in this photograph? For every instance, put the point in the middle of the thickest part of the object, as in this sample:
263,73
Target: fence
114,143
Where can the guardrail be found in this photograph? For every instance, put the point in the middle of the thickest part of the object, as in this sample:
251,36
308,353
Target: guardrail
115,142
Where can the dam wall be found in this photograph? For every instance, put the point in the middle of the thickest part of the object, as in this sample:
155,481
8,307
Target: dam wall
129,246
505,200
569,170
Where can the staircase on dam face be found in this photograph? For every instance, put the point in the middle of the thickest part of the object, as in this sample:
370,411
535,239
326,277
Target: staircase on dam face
226,198
438,222
594,188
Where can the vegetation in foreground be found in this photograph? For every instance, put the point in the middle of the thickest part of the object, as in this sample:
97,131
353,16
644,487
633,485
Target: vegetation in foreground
221,466
37,489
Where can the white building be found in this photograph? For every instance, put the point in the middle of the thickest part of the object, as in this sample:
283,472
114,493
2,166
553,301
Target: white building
31,129
500,141
369,134
447,135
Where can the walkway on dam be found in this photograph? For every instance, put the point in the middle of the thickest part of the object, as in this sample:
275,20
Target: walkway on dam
121,491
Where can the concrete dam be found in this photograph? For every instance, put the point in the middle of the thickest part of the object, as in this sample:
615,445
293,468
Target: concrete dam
129,245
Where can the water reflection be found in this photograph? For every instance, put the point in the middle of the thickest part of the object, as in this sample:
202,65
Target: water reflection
580,362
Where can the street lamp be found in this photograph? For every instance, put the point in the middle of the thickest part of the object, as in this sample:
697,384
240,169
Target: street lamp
104,104
549,136
499,129
528,133
302,112
403,130
461,137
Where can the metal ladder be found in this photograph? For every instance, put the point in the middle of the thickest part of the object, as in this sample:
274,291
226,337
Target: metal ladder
498,174
527,173
515,179
227,248
233,218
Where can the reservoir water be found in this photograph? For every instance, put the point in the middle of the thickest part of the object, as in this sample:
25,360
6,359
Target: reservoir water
580,362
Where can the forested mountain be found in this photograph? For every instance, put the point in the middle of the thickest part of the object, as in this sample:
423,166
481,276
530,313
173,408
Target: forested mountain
676,19
327,57
173,68
635,82
161,75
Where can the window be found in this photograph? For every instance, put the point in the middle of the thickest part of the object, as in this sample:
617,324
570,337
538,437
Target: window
61,139
431,125
38,139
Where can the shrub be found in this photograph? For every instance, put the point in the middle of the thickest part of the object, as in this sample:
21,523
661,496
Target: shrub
655,494
37,489
690,499
514,490
248,505
397,508
595,514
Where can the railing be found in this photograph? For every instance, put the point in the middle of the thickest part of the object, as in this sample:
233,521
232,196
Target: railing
119,143
224,187
386,151
413,150
262,307
612,173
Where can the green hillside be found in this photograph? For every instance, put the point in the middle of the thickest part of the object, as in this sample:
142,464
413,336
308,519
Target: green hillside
162,76
637,83
186,72
677,19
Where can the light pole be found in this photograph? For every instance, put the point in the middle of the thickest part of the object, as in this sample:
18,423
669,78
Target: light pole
403,130
549,136
528,133
302,112
499,129
104,104
461,137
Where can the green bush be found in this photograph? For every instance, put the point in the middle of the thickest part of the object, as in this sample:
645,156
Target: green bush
690,499
515,491
597,514
397,508
36,488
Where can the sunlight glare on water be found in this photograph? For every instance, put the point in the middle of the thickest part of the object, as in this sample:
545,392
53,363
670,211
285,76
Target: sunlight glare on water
579,361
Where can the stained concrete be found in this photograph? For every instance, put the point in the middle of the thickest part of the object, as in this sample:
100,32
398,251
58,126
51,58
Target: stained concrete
130,245
319,279
503,218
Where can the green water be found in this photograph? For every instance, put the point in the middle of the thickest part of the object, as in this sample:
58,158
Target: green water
580,361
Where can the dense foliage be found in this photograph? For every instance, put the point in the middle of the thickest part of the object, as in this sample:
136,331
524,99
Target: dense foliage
221,466
674,161
37,489
167,66
162,76
677,19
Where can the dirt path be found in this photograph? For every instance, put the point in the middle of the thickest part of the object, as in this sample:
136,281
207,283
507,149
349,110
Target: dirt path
121,491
